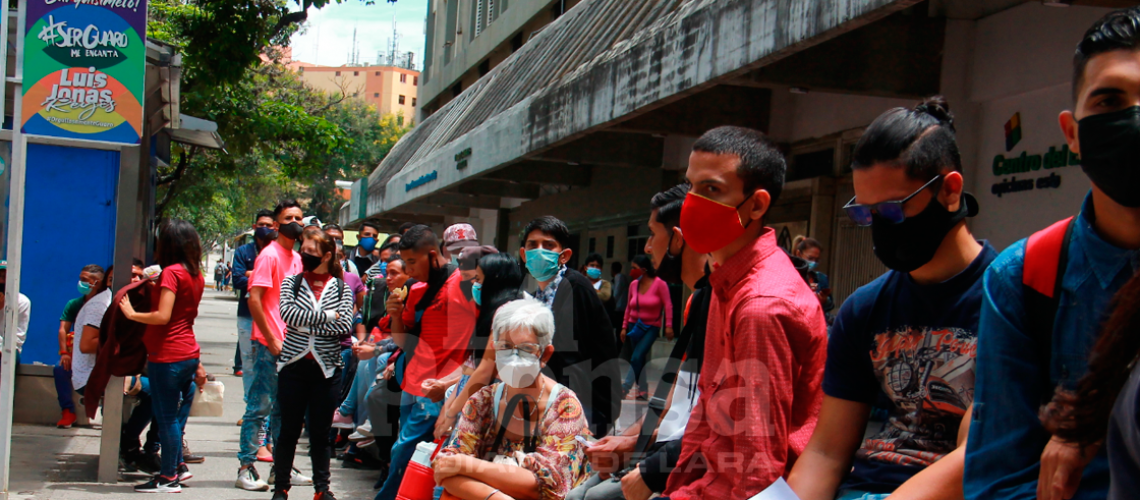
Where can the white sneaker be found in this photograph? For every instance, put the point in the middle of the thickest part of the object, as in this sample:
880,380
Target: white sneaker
365,428
249,480
295,478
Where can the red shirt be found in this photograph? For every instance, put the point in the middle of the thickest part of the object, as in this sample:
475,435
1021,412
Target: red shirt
445,330
761,378
174,341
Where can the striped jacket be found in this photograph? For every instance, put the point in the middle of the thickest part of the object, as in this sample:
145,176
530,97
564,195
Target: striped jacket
313,326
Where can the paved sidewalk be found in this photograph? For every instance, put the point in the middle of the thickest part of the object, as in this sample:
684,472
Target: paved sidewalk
58,464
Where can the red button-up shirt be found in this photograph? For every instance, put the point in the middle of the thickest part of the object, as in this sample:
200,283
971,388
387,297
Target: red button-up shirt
761,378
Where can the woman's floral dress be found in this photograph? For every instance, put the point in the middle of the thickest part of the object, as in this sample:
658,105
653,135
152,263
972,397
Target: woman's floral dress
559,463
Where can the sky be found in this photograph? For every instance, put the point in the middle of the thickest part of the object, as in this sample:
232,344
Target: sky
327,36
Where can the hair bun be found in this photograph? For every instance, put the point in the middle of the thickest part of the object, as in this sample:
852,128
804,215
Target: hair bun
938,108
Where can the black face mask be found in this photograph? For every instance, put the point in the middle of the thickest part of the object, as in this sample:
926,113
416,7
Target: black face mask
909,245
1110,150
670,268
291,230
309,262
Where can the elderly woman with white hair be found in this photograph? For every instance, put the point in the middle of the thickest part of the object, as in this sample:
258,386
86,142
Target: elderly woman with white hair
517,438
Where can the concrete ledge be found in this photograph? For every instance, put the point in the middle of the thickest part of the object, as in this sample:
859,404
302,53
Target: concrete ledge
36,402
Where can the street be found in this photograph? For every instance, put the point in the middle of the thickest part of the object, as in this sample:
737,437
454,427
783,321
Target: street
50,463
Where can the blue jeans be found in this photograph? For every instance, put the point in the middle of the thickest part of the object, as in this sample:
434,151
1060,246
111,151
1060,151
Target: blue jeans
141,417
640,357
417,424
63,388
172,391
260,402
355,404
245,337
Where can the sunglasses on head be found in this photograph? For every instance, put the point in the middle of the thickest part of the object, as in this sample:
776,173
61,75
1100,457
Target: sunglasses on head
891,211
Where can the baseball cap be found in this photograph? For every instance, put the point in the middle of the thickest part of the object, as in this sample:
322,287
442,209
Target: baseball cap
458,236
311,220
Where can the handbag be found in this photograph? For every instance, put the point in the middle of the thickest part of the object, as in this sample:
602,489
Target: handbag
637,331
208,402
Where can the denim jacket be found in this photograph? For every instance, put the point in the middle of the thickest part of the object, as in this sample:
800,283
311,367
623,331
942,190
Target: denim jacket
1006,437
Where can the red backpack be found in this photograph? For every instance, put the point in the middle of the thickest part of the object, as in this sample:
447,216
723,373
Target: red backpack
1046,258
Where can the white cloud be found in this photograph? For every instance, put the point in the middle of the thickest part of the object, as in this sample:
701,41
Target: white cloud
327,36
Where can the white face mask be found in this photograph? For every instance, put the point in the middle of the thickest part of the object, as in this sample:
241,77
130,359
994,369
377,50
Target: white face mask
517,369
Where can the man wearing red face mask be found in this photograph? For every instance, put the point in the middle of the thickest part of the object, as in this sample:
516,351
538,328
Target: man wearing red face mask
766,340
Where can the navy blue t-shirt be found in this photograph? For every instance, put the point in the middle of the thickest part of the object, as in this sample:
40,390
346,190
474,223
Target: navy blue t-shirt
913,345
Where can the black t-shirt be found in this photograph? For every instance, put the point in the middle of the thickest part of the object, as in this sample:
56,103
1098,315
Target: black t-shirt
916,345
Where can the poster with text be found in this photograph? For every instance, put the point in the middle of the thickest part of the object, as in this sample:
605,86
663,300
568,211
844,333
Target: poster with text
84,69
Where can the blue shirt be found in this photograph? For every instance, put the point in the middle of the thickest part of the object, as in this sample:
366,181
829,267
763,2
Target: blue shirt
1006,438
546,296
244,257
912,345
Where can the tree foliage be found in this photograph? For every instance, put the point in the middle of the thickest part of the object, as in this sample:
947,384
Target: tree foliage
283,139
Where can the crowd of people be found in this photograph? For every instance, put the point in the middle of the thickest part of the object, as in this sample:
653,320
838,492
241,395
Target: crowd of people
961,372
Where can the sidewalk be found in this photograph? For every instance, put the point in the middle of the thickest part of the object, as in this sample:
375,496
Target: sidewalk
61,464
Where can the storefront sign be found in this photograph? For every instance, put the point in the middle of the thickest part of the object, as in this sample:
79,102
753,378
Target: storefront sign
1026,163
424,179
84,69
461,159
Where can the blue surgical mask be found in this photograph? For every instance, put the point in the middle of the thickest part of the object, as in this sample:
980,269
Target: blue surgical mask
594,273
84,288
477,293
384,269
542,263
812,265
368,244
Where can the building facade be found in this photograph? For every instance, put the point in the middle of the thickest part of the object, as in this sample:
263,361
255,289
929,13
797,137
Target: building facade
599,109
390,89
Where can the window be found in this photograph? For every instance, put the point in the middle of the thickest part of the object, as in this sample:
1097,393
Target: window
403,78
637,246
593,246
516,42
413,101
377,94
484,67
457,89
377,73
401,99
355,73
338,73
609,247
415,81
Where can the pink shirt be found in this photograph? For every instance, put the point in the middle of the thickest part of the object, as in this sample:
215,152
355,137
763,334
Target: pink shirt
273,264
761,378
647,307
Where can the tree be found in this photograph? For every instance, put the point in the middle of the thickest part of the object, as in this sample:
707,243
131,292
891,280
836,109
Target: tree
282,137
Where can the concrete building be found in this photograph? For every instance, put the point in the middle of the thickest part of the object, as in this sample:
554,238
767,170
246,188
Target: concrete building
598,110
390,89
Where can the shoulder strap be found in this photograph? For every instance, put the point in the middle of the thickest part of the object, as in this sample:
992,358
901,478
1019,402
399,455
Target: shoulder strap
297,279
664,387
1046,258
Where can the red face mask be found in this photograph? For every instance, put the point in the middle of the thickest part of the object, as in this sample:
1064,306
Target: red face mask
710,225
636,273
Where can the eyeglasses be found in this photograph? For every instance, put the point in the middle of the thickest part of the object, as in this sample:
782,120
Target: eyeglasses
891,211
529,348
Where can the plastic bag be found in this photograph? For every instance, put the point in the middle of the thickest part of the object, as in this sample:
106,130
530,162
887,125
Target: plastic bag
208,402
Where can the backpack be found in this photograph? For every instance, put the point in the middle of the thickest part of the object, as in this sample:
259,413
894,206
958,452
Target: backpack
1046,258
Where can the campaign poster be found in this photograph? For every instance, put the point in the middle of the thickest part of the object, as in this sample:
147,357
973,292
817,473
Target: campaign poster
84,69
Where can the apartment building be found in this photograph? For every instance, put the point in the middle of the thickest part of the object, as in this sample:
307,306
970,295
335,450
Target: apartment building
391,89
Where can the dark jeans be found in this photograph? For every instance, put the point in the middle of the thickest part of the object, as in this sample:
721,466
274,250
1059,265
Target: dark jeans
63,388
237,357
141,416
302,389
172,392
639,357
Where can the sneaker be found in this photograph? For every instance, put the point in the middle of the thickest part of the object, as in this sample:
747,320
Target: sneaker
357,437
237,373
160,485
323,495
240,421
281,495
66,420
184,473
365,444
365,428
249,480
267,457
151,463
340,421
295,478
189,457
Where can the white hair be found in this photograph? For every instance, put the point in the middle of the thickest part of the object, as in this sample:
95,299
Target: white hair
527,314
